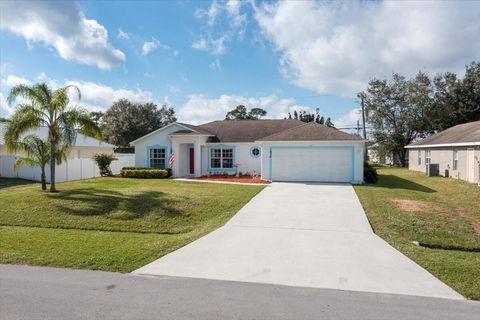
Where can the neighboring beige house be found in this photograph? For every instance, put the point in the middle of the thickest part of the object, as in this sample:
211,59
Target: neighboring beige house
456,151
84,147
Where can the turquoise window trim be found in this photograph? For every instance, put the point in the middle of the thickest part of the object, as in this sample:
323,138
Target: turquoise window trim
351,148
252,155
158,146
221,146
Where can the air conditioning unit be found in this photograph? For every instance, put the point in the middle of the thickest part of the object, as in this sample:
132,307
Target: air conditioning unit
432,169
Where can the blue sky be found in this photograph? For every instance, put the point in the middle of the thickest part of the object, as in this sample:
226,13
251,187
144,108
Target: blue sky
204,58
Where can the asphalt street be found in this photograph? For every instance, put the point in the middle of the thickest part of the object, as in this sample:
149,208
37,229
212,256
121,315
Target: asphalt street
51,293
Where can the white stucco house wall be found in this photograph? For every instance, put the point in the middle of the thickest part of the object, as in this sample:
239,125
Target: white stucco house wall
278,150
455,150
79,164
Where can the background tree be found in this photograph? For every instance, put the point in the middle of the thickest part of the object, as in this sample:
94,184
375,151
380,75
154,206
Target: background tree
97,117
311,117
36,153
126,121
241,113
3,119
50,108
396,111
456,101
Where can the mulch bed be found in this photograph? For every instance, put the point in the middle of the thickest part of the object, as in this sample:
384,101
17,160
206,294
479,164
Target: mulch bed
245,179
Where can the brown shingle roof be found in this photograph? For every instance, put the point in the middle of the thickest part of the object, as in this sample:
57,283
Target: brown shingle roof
310,132
195,128
247,130
462,133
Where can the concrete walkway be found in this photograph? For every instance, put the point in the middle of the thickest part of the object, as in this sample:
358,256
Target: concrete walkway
307,235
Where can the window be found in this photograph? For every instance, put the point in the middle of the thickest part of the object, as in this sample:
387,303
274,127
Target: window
419,157
255,152
427,157
157,158
221,158
455,159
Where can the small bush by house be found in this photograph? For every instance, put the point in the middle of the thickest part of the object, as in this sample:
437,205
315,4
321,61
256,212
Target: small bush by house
128,172
104,161
145,173
369,173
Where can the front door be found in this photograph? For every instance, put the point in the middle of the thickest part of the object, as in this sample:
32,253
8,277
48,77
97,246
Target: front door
191,166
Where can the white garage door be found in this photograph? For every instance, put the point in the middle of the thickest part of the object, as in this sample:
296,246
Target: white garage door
312,164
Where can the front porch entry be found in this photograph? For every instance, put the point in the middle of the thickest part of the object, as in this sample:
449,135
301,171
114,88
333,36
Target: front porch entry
187,158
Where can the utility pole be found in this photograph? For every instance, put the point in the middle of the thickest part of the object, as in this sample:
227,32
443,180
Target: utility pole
358,127
362,102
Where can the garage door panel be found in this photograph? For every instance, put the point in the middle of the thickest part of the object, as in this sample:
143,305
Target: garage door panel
305,164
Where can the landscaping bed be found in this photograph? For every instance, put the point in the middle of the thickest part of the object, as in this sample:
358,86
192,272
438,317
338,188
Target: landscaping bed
242,179
114,224
433,220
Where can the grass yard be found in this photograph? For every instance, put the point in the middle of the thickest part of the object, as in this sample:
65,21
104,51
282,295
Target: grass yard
442,214
112,224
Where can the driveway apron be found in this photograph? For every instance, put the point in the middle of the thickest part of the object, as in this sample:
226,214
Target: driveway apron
302,234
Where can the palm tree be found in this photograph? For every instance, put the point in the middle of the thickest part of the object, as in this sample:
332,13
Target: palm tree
49,108
37,153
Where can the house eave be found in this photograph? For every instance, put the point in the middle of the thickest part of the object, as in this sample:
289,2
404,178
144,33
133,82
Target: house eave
286,141
160,129
442,145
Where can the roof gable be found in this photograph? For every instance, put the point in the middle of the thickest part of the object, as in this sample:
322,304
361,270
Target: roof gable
183,127
311,132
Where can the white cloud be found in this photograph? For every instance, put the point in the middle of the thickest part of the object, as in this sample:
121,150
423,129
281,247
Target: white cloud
210,14
348,119
215,65
200,108
238,20
123,35
63,26
99,97
149,46
5,109
13,80
216,36
95,96
337,47
212,45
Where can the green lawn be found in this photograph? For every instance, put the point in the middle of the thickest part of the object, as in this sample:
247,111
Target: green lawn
443,215
110,224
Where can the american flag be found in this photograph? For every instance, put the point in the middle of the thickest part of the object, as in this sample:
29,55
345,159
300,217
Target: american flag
171,159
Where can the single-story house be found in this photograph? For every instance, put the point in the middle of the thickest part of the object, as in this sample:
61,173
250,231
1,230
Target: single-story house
79,164
84,146
456,151
279,150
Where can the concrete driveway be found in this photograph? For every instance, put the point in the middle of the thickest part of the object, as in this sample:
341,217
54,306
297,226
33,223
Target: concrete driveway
302,234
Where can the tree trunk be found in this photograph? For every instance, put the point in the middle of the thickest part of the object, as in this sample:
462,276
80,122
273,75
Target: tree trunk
402,157
52,165
43,179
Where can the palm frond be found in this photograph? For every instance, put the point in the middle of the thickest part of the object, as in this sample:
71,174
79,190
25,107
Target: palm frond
25,161
24,119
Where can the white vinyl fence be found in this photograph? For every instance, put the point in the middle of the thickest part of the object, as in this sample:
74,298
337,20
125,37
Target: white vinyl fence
73,169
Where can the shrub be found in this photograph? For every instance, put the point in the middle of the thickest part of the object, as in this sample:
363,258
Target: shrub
128,172
103,161
146,174
369,173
